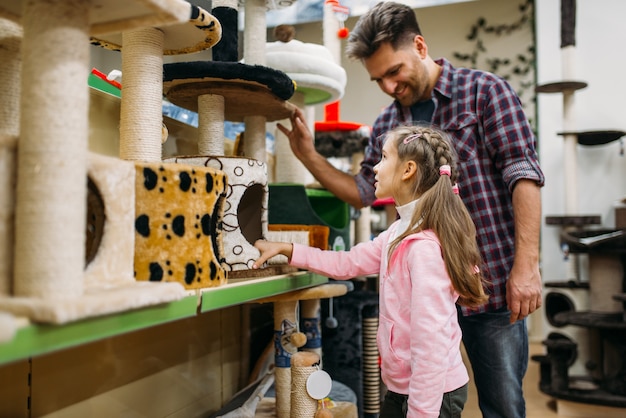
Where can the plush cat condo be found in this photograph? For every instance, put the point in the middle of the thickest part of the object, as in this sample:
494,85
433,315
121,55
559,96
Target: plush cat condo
52,276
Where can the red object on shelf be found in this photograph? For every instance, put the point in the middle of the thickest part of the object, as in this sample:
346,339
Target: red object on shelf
103,76
331,120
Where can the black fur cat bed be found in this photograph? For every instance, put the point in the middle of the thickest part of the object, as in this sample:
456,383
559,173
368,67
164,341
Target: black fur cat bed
247,89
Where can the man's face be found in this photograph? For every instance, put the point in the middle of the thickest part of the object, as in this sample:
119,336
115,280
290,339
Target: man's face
402,73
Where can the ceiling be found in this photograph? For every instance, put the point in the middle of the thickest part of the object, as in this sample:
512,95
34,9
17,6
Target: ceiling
312,10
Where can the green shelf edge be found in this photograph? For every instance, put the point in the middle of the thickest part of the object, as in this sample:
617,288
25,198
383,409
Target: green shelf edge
243,291
38,339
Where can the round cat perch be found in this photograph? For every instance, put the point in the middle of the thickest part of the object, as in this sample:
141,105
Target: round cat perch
50,200
319,79
141,118
285,324
224,89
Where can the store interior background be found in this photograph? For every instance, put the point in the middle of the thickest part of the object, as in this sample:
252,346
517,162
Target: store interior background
130,369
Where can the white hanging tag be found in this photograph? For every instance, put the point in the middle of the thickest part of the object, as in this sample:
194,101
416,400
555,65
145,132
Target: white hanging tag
318,384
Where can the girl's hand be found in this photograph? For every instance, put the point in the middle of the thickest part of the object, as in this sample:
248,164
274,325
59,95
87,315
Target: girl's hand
269,249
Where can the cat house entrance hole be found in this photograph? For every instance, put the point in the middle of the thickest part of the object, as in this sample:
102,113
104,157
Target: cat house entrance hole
95,221
249,213
557,303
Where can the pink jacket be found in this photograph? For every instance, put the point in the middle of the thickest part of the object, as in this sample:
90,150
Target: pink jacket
418,335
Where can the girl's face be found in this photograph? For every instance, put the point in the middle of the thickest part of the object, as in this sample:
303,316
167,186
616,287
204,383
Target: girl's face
387,170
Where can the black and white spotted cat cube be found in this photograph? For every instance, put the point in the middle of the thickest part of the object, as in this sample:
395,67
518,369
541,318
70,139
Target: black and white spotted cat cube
245,210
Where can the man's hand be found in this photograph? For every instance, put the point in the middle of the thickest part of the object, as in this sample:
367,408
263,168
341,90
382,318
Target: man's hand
523,292
300,137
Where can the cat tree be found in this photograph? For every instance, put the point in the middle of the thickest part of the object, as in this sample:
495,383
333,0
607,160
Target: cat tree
585,352
49,279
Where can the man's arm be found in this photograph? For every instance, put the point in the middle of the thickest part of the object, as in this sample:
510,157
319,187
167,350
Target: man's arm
342,185
523,288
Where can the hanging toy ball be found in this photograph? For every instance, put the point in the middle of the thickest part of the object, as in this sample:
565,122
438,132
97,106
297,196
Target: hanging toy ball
284,33
343,33
298,339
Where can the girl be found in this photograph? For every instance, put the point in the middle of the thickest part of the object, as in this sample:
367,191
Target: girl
427,261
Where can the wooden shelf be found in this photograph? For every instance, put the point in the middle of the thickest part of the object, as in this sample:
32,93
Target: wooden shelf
37,339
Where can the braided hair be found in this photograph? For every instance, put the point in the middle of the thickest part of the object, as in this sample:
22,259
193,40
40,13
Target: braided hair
439,208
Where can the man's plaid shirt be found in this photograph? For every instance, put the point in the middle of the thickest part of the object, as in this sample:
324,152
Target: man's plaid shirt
495,147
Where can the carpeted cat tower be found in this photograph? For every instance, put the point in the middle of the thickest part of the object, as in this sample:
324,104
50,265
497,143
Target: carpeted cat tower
249,92
65,270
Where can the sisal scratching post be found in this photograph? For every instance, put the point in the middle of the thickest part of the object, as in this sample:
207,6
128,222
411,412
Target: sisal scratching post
288,168
10,44
254,54
211,124
254,138
52,167
303,364
141,116
363,224
286,340
284,325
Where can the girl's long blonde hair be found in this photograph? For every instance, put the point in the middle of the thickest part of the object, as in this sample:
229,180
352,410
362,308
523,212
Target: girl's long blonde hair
440,209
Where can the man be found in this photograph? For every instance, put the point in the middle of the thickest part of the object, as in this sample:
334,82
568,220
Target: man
499,181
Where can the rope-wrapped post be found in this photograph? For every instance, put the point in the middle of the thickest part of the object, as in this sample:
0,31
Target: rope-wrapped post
255,35
288,168
254,41
211,124
284,314
141,116
303,364
254,138
10,70
52,155
10,47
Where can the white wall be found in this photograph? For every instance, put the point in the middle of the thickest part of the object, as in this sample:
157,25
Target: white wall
601,170
445,29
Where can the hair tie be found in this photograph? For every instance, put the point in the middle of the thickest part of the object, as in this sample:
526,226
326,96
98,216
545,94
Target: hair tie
411,138
455,188
445,170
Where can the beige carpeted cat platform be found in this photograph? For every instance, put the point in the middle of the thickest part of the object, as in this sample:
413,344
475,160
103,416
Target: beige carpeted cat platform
108,285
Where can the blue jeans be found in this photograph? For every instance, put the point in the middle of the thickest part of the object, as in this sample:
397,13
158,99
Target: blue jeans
498,352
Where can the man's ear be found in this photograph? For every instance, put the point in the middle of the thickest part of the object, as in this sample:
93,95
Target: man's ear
420,46
410,170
